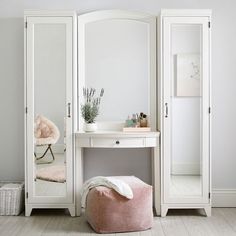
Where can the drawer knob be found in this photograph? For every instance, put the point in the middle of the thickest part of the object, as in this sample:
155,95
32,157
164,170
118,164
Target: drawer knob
117,142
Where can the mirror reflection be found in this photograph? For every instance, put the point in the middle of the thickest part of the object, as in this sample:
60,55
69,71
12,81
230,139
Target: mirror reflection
117,58
186,173
49,114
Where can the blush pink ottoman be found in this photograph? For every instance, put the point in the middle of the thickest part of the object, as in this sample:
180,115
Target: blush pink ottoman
109,212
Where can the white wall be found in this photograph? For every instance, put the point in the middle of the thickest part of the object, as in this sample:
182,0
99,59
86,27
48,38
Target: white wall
120,162
223,76
11,99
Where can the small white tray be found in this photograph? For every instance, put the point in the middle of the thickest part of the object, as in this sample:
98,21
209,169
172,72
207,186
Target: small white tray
134,129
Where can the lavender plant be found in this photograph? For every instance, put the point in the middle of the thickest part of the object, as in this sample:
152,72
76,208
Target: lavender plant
90,109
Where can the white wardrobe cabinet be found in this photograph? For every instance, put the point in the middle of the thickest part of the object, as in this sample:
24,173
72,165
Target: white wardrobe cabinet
50,72
126,46
185,109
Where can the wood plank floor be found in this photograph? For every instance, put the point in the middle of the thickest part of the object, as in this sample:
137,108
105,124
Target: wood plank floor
177,223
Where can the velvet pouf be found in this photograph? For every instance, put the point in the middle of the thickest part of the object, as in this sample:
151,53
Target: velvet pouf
108,212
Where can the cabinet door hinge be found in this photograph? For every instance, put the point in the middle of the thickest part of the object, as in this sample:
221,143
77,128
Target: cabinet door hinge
26,24
27,195
209,195
26,110
209,110
209,24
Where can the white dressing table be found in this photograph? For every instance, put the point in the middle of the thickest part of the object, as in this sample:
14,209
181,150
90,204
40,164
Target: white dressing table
118,139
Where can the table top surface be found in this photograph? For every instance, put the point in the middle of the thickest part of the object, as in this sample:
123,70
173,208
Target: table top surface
115,133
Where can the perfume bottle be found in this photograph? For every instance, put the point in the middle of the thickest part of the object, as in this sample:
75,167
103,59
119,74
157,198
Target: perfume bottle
129,122
134,119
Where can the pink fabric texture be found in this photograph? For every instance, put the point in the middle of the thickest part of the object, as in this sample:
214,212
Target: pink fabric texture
109,212
46,132
52,173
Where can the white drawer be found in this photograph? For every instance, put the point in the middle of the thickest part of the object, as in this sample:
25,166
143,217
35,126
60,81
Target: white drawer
118,142
151,142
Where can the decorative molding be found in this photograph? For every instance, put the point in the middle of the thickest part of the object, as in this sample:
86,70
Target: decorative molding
50,13
224,197
186,12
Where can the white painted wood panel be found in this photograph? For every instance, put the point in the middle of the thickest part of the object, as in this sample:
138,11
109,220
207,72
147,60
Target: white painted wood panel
118,140
184,18
67,21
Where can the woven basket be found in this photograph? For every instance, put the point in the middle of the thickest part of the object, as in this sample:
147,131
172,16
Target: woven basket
11,198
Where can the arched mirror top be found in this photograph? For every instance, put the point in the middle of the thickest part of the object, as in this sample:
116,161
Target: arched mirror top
115,14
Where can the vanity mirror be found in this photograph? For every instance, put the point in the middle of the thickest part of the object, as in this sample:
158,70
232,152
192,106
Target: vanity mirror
49,111
117,52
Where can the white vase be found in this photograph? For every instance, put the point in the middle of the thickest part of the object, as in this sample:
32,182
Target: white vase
90,127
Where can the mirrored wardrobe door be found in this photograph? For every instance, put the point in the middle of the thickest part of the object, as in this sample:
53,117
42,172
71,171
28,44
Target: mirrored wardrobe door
49,102
186,103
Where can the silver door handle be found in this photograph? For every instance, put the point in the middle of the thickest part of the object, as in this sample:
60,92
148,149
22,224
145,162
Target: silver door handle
166,110
69,111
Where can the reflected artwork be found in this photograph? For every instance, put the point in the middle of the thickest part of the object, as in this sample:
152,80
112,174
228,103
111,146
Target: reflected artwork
188,75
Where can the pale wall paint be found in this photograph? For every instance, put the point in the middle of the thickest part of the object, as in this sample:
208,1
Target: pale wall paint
11,102
223,65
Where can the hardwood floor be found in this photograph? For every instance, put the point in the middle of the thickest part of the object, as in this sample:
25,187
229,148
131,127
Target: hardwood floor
177,223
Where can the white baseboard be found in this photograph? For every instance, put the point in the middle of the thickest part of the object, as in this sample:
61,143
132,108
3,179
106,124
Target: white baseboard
224,197
185,168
